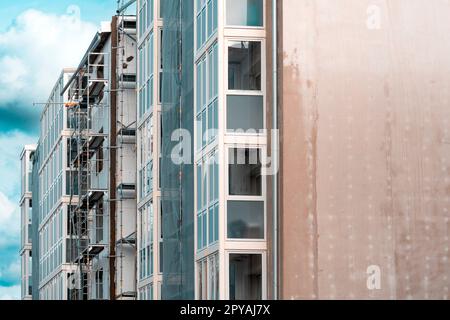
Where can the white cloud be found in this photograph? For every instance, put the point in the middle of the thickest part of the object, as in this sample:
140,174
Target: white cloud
16,71
11,270
9,223
36,48
11,145
10,293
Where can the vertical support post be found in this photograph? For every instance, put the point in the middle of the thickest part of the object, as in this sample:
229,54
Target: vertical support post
275,147
112,161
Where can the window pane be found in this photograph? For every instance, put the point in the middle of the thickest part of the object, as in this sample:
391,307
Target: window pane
204,184
245,113
216,175
199,186
199,232
203,26
216,222
216,70
199,87
215,15
245,219
204,96
199,31
244,65
245,277
210,133
205,227
199,132
215,119
211,225
244,168
149,13
211,179
211,78
245,13
210,18
204,137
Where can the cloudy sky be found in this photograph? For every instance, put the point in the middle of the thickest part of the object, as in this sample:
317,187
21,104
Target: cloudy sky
37,39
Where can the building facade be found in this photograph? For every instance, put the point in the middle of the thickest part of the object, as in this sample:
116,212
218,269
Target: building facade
149,212
26,215
53,172
214,204
230,140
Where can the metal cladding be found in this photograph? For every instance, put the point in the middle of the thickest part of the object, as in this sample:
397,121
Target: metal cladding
365,149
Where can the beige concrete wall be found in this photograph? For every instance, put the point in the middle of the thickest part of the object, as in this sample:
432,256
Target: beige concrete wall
365,148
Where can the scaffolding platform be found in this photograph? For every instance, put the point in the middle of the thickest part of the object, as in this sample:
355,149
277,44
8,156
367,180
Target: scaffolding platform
90,252
128,240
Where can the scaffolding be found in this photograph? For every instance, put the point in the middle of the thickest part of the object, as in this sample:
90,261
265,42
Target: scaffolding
103,133
86,105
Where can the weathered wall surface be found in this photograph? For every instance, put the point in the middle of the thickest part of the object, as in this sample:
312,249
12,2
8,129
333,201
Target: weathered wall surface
366,148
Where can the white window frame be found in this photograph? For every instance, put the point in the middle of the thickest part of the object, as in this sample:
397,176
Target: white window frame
261,198
263,254
230,26
259,93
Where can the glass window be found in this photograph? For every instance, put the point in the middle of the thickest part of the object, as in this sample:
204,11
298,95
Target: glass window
244,169
207,201
204,184
199,132
199,31
206,21
216,222
214,15
199,232
211,179
204,25
210,18
149,12
99,283
204,84
204,133
205,228
212,121
244,65
199,186
245,13
245,113
199,87
211,225
245,279
211,77
161,8
245,219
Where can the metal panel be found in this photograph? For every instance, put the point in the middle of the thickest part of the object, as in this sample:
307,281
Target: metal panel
365,149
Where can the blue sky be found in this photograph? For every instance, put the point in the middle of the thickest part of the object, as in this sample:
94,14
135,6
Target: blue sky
37,39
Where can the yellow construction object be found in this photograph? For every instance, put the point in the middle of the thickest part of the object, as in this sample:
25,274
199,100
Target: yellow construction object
71,104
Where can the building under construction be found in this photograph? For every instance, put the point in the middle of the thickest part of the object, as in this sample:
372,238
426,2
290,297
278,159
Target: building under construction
250,149
101,156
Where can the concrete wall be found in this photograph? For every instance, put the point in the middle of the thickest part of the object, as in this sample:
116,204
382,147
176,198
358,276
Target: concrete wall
365,149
